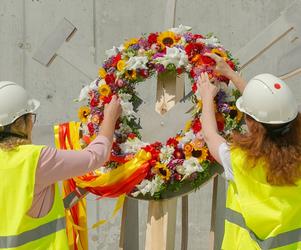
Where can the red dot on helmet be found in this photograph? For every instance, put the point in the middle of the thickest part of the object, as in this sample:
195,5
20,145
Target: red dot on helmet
277,86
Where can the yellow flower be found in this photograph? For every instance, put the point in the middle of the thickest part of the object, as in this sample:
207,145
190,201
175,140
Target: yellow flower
131,74
104,90
162,171
130,42
83,114
197,144
167,38
102,73
219,52
121,65
187,126
235,114
200,154
199,105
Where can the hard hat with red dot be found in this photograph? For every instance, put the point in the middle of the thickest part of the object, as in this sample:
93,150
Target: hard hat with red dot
14,102
268,99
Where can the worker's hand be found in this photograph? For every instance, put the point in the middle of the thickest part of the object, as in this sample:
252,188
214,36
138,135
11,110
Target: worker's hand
221,66
113,110
206,88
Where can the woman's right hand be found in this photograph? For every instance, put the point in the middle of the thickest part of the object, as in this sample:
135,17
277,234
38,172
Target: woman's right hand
221,66
113,110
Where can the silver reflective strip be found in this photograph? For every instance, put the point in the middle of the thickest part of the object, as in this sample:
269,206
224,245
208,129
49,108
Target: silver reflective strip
71,199
279,240
34,234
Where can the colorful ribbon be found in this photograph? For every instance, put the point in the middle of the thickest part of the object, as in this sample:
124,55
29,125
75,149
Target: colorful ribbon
116,183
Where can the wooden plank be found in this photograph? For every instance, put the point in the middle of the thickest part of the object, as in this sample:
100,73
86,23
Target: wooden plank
161,225
46,53
170,14
170,90
129,231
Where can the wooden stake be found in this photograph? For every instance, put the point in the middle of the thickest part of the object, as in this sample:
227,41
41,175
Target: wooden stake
161,225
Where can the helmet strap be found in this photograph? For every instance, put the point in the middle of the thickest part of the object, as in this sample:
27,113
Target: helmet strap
279,130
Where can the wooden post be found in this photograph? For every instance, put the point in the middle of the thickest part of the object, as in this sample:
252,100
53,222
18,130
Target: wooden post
161,225
129,232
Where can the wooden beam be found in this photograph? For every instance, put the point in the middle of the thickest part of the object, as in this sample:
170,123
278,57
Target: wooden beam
161,225
129,232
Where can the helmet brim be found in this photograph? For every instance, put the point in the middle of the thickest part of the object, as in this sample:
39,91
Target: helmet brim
35,104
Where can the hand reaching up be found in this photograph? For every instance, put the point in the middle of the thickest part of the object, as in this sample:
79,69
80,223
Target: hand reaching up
205,88
221,66
113,110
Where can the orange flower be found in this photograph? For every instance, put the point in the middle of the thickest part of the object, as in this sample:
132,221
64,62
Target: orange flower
188,149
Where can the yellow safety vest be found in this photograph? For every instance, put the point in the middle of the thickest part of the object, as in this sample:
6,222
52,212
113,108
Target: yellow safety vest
17,229
259,215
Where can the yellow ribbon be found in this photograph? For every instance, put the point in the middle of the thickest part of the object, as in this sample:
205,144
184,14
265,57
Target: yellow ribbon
118,174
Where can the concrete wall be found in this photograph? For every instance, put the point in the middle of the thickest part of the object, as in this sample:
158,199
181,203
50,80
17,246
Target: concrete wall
24,24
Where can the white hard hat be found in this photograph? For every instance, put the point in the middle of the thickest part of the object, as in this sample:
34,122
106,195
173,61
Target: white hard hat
268,99
14,102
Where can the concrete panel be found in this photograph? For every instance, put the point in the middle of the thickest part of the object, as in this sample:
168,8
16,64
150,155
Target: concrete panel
12,41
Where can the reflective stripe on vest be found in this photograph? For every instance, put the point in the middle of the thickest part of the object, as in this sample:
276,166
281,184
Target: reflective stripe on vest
32,235
279,240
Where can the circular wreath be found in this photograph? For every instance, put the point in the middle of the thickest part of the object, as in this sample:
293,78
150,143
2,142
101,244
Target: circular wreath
183,162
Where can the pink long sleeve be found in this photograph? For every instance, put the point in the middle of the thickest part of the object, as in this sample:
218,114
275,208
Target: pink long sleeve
56,165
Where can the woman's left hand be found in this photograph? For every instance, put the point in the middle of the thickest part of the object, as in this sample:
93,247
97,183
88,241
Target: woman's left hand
205,88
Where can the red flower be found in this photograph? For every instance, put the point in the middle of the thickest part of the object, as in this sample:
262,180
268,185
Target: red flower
94,102
154,150
197,36
194,87
231,64
178,177
90,128
132,135
223,79
116,59
110,79
144,73
207,60
178,154
192,73
193,49
106,99
152,38
179,71
196,126
172,142
116,148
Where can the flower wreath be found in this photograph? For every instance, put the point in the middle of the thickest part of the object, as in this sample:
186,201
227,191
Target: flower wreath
184,159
